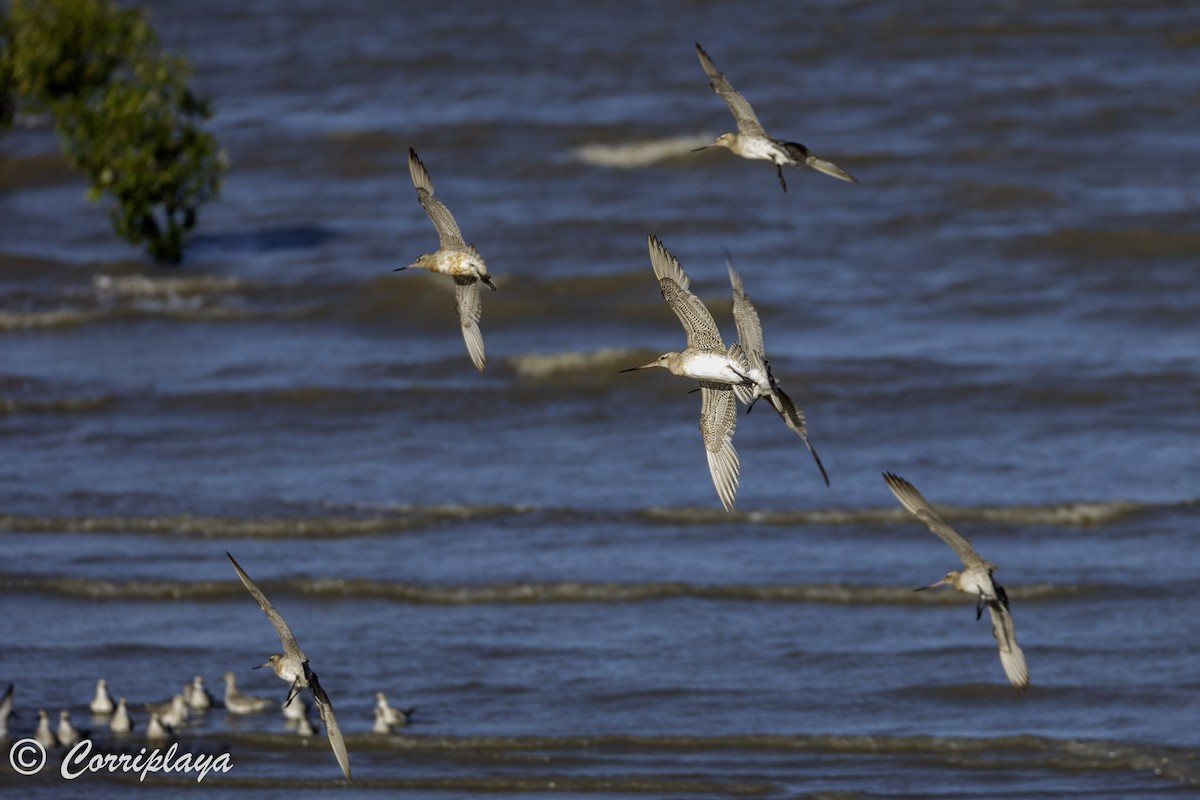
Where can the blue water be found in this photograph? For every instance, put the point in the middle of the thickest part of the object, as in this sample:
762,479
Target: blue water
1003,312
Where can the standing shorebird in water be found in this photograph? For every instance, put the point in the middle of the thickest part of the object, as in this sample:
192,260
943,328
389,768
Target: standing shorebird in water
750,337
292,666
708,360
751,140
101,703
455,258
6,706
975,579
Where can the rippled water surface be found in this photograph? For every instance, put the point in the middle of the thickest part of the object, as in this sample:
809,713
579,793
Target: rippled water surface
1003,311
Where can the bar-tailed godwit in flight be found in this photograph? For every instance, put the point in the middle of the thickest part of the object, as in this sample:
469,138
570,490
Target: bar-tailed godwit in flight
752,141
975,579
292,666
750,337
708,360
454,257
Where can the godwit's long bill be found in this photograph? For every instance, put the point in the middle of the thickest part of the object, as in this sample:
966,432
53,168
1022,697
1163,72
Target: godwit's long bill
706,359
750,337
752,141
975,579
292,666
454,257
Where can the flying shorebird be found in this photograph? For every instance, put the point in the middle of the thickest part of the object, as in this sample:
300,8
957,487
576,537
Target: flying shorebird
708,360
752,141
750,337
454,257
975,579
292,666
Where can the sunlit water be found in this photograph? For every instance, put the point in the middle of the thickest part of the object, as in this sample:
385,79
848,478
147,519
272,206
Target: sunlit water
1004,312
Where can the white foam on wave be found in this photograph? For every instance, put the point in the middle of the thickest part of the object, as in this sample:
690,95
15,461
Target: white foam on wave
639,153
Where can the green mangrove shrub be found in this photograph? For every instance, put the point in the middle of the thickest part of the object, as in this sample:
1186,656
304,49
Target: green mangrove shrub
123,110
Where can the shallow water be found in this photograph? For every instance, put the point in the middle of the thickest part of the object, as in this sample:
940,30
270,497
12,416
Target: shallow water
1003,312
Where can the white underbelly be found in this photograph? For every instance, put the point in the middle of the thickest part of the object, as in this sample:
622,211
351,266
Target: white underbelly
710,367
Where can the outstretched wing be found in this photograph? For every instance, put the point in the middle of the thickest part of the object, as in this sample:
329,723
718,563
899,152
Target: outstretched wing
747,121
745,317
325,709
448,233
469,301
281,627
698,323
911,499
718,417
666,265
1011,656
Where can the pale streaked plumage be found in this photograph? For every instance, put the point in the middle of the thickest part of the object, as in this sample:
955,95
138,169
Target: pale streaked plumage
975,579
718,368
101,702
455,258
292,666
750,337
752,141
238,703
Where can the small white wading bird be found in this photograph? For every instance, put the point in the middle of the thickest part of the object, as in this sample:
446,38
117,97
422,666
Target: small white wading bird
196,695
975,580
454,257
391,716
292,666
238,703
6,709
156,730
172,713
101,703
120,724
68,734
750,337
43,735
708,360
751,141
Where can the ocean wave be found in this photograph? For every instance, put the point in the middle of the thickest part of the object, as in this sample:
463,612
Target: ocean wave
584,762
595,365
1074,514
398,519
638,153
373,521
517,593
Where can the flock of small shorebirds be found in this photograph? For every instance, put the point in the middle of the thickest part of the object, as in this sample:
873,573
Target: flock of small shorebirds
726,374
